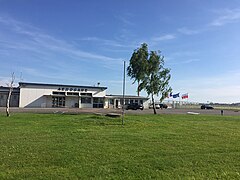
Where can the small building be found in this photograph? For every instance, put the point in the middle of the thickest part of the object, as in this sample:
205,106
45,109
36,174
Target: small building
39,95
14,100
116,101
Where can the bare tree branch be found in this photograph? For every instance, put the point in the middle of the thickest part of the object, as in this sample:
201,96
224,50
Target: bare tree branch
10,85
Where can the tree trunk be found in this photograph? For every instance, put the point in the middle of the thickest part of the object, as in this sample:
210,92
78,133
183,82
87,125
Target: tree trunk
154,109
8,102
9,95
138,89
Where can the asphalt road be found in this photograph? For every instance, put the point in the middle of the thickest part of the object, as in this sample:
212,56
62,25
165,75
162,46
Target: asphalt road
119,111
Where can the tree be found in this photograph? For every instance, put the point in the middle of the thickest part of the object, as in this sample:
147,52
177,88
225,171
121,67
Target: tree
156,78
137,66
10,85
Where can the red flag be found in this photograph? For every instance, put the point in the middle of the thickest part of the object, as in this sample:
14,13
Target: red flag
185,96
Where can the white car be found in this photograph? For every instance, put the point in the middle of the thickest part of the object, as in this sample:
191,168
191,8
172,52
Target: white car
157,106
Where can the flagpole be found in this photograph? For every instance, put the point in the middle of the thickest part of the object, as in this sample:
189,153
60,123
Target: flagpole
124,64
179,101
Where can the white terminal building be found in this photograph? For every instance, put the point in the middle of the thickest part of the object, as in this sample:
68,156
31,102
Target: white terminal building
40,95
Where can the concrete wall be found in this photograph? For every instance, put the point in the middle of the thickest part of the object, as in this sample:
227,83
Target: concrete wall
34,97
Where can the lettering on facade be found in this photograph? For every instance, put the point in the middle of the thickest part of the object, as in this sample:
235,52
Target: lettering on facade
71,89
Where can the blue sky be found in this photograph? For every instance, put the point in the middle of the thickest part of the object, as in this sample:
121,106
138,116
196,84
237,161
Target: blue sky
85,42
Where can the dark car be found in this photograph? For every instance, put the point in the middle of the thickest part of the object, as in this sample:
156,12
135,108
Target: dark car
134,106
163,106
205,106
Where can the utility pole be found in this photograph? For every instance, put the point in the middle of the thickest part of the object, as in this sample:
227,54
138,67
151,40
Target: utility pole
124,64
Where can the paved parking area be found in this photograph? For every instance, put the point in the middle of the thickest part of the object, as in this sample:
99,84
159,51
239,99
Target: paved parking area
119,111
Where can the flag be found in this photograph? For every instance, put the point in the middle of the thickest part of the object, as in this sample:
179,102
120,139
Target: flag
169,95
175,95
185,96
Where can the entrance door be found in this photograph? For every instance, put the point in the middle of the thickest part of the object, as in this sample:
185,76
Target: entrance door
117,103
58,101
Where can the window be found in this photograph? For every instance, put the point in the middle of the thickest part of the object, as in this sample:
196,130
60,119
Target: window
141,101
1,97
86,94
121,101
86,100
98,102
126,101
58,101
58,93
111,101
131,101
72,93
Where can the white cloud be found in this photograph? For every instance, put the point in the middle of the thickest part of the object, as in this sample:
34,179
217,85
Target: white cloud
188,31
226,16
106,42
125,20
38,41
164,37
188,61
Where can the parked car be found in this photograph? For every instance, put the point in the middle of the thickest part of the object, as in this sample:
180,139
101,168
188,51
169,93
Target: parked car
158,106
134,106
206,106
163,106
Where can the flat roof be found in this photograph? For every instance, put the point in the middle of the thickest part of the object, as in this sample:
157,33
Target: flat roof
61,85
6,89
126,96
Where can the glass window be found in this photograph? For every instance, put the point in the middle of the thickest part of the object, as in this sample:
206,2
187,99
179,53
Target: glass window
86,94
111,101
59,93
97,100
86,100
121,101
58,101
72,93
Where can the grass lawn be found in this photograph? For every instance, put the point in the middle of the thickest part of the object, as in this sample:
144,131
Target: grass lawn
54,146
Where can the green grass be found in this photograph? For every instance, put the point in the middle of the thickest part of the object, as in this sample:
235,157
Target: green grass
54,146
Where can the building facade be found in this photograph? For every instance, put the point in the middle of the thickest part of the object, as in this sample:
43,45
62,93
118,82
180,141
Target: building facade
14,100
40,95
